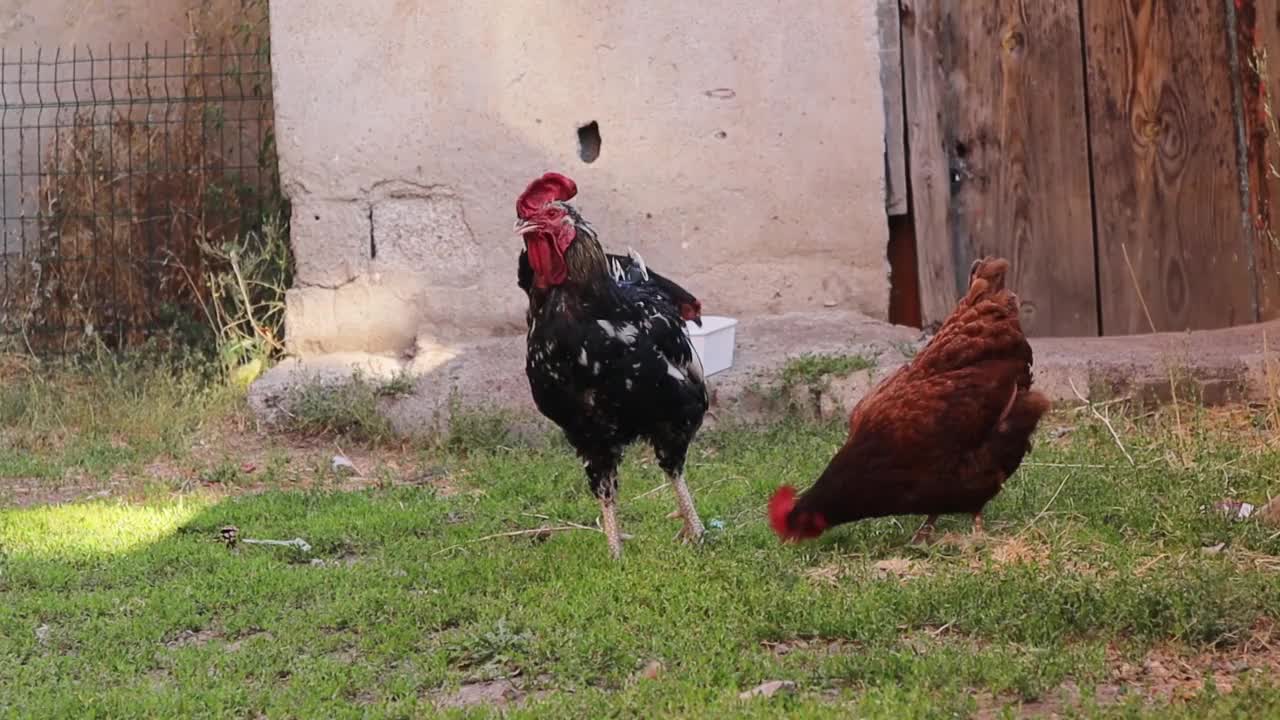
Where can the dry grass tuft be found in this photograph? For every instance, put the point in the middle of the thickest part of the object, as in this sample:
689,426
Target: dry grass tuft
126,202
111,243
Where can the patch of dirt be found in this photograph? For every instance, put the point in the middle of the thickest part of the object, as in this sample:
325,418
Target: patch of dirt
345,656
1018,551
160,679
651,671
897,568
974,552
494,693
1165,675
345,559
962,541
237,461
827,646
962,552
1169,674
243,638
925,640
1270,513
274,461
204,636
768,690
193,638
32,492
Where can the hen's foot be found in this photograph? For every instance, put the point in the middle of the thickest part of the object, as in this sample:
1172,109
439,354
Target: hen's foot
925,533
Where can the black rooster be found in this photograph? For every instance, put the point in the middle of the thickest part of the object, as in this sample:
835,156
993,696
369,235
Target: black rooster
608,358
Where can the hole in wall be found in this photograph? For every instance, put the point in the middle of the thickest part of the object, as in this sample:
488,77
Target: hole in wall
589,142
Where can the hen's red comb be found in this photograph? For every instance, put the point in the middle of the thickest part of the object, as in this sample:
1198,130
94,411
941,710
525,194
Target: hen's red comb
548,188
780,506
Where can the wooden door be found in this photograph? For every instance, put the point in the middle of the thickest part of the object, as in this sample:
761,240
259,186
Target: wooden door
999,155
1172,228
1120,154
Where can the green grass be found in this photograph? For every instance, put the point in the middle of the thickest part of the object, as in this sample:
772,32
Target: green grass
115,609
810,368
350,409
102,416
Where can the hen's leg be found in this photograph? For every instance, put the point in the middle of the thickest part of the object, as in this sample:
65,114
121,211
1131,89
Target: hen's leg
977,523
925,531
602,472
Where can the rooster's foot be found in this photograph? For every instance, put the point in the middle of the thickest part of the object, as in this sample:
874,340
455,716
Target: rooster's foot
690,534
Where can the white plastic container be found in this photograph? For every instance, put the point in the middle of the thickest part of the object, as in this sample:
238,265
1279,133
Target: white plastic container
713,342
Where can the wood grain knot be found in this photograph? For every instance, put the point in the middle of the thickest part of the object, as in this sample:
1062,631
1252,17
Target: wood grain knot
1013,41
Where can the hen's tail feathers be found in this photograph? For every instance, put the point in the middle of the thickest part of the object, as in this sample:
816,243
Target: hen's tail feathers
1012,439
986,277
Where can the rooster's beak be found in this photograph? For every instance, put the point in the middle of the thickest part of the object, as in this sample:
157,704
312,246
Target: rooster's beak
524,227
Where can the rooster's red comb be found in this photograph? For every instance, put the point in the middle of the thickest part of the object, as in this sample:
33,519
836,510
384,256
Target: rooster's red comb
780,506
548,188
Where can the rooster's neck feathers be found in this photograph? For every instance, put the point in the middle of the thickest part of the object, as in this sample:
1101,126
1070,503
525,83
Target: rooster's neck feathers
585,258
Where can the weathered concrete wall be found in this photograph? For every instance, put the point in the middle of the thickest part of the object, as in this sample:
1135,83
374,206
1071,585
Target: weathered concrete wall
742,153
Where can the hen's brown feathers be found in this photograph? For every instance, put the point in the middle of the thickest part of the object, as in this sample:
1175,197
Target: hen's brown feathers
942,433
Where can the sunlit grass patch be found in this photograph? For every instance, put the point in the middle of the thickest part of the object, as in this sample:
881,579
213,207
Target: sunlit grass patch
87,530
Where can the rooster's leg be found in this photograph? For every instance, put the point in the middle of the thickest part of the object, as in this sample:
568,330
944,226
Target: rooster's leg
977,523
602,472
609,519
671,448
925,531
684,509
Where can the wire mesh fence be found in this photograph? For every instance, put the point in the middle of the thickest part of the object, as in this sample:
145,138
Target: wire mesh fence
120,167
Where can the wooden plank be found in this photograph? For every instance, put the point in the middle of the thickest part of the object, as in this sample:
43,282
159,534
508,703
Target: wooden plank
1167,179
999,155
925,83
891,81
1258,44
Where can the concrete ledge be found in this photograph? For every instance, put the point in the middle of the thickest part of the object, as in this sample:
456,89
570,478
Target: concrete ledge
1214,367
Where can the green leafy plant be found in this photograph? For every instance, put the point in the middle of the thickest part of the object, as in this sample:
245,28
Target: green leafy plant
247,298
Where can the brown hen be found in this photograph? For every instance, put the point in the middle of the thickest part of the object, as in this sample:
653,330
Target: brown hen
941,434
